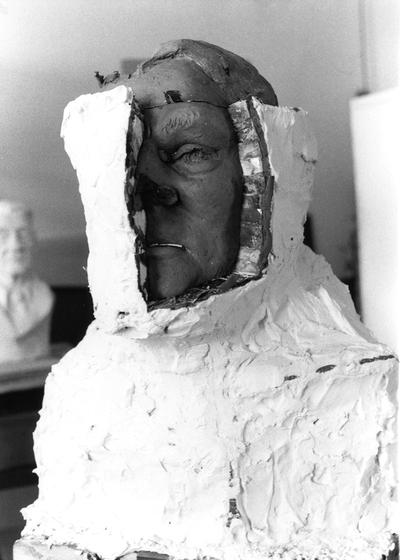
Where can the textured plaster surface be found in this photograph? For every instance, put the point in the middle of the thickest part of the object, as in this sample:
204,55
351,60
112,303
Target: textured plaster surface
254,424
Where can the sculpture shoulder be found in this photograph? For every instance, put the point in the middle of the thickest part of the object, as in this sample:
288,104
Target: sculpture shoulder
42,294
334,299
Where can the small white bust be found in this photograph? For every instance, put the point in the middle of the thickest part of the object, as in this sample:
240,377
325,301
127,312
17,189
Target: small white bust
25,301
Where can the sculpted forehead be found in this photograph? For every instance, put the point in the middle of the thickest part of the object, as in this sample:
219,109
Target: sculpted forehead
178,118
182,76
192,120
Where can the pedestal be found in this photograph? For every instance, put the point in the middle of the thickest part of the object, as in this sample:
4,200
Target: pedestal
27,549
28,374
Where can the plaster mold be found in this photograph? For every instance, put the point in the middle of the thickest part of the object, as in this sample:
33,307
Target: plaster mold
257,423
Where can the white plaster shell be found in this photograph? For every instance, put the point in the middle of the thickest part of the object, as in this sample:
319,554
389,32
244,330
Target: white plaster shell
273,394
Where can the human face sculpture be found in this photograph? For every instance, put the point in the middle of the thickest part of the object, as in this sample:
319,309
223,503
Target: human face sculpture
16,242
190,181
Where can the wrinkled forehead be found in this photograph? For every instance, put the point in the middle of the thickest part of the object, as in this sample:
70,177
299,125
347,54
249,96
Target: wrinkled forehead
172,81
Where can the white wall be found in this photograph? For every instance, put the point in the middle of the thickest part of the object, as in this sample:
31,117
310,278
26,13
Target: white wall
376,138
307,49
382,33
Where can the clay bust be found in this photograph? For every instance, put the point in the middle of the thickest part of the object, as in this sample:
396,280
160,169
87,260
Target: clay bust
252,421
189,173
25,301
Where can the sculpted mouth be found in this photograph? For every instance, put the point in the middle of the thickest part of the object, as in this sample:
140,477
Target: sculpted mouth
162,244
166,249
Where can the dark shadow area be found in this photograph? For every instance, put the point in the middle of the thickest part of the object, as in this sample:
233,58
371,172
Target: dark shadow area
309,233
393,554
18,417
72,314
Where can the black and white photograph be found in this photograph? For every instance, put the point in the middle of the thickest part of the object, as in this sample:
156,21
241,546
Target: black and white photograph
199,279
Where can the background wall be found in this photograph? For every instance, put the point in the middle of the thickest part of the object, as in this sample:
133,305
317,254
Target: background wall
308,49
375,120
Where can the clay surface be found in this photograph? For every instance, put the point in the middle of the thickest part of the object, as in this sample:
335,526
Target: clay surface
189,175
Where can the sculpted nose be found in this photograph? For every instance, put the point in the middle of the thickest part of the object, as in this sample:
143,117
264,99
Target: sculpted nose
153,194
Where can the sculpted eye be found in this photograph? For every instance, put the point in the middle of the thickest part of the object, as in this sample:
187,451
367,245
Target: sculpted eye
189,154
194,154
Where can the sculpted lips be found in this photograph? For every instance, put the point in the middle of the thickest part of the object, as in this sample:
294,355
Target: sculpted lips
164,249
177,245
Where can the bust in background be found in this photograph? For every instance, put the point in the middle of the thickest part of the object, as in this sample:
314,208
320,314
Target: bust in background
25,301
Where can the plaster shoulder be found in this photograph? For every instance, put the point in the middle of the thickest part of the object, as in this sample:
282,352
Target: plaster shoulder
286,421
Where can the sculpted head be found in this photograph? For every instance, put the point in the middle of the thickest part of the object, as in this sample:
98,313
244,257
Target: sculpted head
16,240
189,175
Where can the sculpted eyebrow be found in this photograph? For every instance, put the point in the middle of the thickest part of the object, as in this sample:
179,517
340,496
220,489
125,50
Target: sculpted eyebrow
183,119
